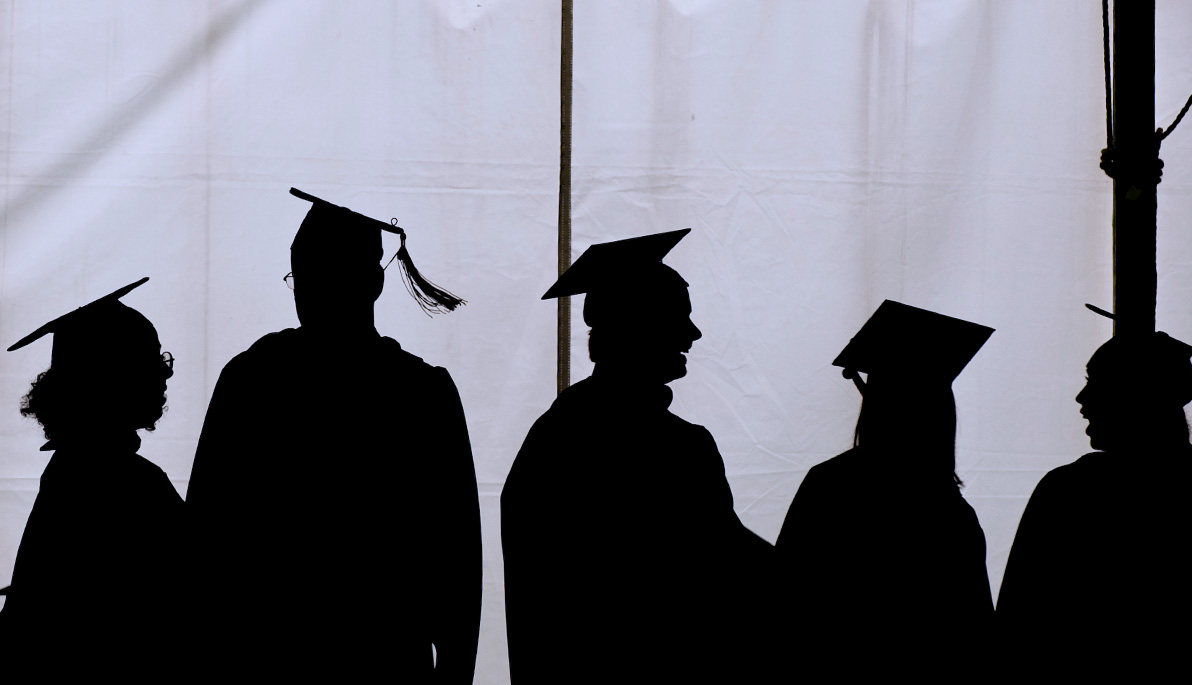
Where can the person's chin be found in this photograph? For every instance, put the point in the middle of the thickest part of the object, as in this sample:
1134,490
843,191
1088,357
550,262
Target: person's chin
153,415
676,369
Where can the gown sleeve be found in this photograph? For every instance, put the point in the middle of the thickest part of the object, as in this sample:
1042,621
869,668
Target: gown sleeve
809,548
802,518
1034,617
1036,566
215,457
457,575
213,508
537,648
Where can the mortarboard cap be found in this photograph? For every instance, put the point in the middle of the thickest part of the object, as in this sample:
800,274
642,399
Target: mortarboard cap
1167,348
86,333
1156,363
907,339
337,235
606,263
338,232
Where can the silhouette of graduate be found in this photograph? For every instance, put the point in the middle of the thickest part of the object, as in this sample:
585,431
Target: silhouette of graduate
97,577
333,489
884,558
624,559
1097,582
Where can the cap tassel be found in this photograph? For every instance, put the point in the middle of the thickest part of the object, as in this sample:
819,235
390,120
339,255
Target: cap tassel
432,298
855,377
1102,312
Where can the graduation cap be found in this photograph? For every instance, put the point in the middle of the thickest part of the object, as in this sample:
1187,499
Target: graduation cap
608,263
1153,360
605,264
80,335
1166,346
337,234
622,267
907,339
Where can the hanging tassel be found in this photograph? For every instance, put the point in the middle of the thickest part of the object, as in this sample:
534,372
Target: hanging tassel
855,377
432,298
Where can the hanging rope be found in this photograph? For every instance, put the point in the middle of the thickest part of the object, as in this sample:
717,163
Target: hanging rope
1149,169
563,360
1179,117
1108,82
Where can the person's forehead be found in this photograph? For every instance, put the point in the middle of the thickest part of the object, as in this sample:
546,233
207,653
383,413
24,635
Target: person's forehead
121,333
1138,365
672,295
1119,353
668,302
1106,368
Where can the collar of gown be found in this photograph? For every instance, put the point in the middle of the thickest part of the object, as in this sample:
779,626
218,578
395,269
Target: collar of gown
116,441
338,336
631,391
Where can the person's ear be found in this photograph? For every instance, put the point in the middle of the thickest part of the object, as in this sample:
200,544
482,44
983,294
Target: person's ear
377,282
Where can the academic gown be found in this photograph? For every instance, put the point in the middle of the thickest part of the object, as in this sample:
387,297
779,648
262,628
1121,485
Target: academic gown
334,497
884,569
97,582
1097,582
624,559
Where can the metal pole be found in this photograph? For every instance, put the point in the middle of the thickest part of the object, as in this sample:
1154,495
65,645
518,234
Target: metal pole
1136,152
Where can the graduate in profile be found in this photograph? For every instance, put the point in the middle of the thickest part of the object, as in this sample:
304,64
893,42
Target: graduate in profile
97,581
333,490
624,559
883,557
1097,582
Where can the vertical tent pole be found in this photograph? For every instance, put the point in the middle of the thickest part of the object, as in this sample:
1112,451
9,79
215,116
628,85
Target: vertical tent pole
563,360
1136,151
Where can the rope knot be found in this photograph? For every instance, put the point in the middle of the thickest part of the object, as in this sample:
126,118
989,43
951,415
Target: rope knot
1136,169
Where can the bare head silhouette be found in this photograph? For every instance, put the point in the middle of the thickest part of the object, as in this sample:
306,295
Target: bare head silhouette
107,373
1137,387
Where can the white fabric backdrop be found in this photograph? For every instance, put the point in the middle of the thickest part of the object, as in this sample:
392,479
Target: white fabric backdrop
828,156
